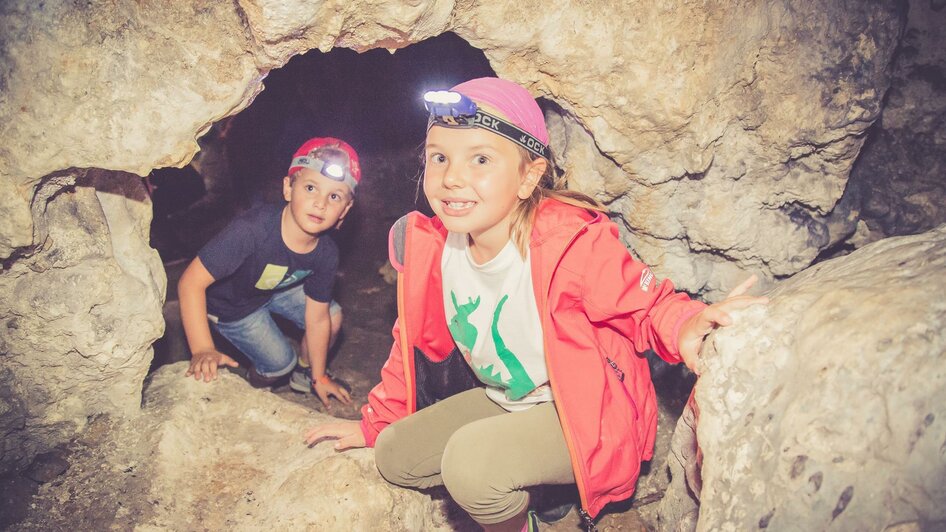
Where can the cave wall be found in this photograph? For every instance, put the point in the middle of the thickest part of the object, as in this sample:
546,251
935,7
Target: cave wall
900,177
79,314
723,134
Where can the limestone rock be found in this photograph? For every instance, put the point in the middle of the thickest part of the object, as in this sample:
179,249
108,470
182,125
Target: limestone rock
79,315
222,455
679,508
123,86
46,467
736,149
827,408
900,177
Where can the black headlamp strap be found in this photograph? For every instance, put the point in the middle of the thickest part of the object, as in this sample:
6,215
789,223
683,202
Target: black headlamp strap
495,124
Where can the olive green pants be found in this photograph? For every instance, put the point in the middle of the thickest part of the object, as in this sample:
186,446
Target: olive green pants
484,455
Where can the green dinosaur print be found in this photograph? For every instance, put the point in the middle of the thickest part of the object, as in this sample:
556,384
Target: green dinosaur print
461,329
519,384
490,376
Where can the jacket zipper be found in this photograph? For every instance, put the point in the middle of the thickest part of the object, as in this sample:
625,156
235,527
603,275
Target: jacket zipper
576,465
587,521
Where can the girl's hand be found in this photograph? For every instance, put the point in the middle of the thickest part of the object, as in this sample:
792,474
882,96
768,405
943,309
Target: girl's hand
326,386
347,433
694,330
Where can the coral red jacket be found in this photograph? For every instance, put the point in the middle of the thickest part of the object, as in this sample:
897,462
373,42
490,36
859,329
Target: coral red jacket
600,309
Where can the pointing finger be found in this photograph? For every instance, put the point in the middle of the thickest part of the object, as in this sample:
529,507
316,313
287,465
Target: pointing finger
743,286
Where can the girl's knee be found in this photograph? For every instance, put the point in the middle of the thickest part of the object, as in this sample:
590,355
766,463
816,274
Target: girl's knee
388,451
469,473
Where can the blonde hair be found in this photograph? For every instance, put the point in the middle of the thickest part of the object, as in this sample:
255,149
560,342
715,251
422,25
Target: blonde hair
551,185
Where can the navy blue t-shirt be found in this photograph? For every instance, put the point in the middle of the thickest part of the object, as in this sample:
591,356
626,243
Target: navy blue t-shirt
250,262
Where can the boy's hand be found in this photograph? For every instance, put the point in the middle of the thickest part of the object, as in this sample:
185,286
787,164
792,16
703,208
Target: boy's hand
695,329
204,364
325,386
347,433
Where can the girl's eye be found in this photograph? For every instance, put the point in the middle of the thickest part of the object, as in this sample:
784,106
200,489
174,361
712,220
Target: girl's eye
438,158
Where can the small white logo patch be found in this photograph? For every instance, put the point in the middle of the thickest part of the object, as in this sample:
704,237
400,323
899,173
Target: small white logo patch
646,278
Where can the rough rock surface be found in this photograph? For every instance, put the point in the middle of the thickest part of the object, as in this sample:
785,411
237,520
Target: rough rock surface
223,456
700,108
900,177
78,316
826,410
679,509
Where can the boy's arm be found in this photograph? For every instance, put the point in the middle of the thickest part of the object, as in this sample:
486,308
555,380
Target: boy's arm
192,296
318,330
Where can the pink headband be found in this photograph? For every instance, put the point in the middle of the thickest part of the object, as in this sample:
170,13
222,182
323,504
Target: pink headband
510,99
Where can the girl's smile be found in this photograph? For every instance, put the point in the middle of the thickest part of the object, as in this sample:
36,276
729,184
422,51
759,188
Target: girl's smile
457,207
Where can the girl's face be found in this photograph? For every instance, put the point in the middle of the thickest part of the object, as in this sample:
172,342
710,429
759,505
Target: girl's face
473,180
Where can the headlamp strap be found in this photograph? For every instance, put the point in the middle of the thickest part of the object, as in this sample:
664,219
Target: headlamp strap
321,167
495,124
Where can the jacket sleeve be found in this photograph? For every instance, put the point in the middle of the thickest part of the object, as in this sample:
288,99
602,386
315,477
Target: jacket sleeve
623,293
387,401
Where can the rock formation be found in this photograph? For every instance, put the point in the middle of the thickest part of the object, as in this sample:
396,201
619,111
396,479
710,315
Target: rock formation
827,408
228,457
79,313
900,178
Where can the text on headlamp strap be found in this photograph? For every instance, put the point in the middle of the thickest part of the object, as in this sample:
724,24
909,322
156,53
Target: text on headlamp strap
495,124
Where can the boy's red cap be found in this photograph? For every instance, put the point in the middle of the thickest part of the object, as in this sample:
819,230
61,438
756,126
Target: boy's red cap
354,167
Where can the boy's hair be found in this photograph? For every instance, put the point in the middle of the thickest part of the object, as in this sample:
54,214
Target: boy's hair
552,186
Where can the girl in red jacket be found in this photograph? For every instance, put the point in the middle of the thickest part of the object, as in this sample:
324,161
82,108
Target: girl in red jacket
521,319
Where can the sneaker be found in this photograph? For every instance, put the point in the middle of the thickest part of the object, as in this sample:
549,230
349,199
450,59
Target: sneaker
555,513
552,503
259,381
301,380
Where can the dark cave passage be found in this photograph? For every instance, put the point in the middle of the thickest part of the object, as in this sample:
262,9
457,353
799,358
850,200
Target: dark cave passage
370,100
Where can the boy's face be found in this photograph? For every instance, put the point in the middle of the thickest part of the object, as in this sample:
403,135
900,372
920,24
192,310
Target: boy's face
316,203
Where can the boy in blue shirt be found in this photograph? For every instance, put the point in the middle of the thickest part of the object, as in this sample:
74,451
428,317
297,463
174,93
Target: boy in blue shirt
275,259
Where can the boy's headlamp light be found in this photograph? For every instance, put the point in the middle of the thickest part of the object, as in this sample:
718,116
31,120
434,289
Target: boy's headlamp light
333,171
454,110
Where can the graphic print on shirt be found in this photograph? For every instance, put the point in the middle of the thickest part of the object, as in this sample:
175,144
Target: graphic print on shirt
274,277
465,334
519,383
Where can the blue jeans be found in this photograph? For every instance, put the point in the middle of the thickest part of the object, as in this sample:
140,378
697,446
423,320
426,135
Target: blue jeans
258,337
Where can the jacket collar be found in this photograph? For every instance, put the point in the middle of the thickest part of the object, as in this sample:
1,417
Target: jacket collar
556,221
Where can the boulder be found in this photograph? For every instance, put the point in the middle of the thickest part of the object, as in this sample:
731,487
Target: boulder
826,409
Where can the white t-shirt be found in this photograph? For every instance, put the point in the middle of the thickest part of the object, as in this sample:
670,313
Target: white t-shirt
493,318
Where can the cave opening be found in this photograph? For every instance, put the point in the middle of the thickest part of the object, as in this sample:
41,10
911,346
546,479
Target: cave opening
372,101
